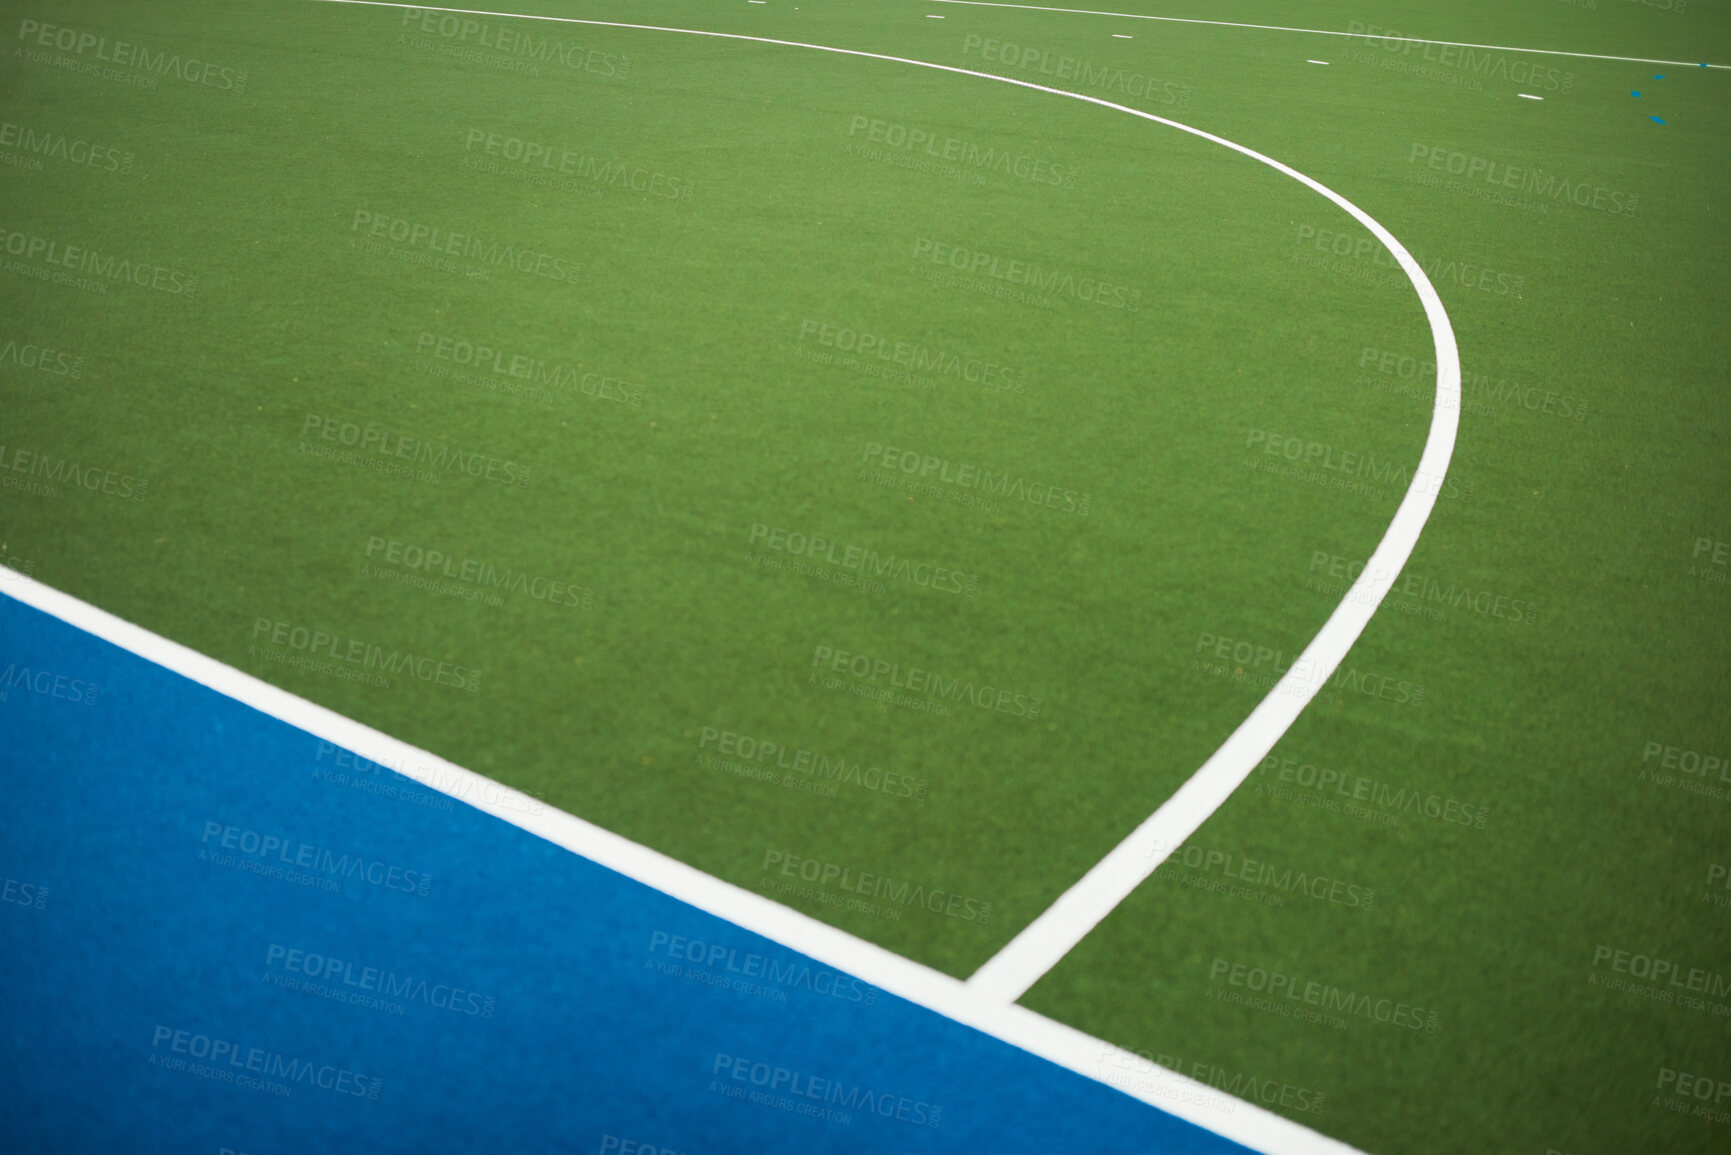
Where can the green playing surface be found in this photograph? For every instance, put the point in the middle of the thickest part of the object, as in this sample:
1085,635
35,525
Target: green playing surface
780,458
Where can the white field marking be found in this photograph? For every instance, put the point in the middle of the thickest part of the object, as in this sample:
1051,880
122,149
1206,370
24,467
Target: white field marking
1207,1107
981,1004
1327,32
1528,96
1008,974
1316,62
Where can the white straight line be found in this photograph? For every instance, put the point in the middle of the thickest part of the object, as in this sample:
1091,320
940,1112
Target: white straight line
982,1002
1093,1058
1326,32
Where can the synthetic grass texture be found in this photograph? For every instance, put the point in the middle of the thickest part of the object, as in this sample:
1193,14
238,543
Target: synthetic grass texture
1251,326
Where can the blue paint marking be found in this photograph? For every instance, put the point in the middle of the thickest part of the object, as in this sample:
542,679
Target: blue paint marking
531,1001
1655,120
1634,94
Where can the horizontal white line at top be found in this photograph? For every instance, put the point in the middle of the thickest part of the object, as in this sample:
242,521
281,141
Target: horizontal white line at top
1312,32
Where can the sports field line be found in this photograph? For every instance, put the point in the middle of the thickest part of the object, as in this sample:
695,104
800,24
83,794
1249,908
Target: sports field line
986,1001
1007,975
1327,32
1235,1119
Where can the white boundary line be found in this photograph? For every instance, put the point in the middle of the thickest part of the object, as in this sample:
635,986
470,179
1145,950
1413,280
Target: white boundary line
1327,32
984,1001
1195,1102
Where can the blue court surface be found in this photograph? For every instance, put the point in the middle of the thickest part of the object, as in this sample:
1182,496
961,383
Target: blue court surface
223,934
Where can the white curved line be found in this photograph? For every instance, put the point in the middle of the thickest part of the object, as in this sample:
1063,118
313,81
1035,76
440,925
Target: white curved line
1329,32
1039,946
984,1002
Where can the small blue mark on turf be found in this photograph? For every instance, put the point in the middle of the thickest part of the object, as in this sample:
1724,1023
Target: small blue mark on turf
1655,120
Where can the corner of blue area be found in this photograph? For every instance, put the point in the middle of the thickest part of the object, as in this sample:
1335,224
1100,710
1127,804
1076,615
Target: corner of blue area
237,936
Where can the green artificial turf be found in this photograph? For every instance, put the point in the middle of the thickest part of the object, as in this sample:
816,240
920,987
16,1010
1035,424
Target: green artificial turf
683,417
